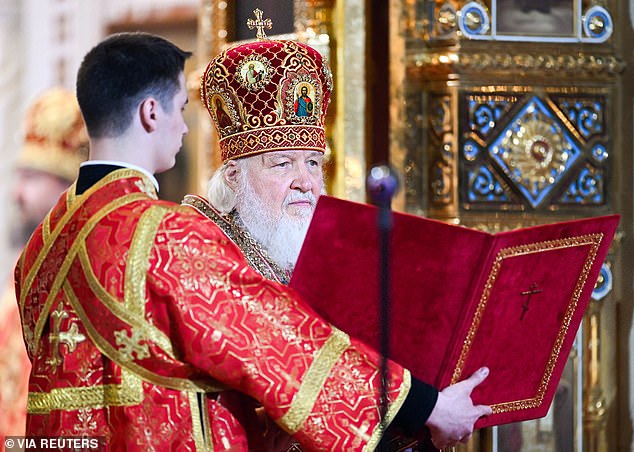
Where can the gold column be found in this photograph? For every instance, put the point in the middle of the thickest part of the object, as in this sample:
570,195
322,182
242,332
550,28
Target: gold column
594,403
348,138
398,118
212,36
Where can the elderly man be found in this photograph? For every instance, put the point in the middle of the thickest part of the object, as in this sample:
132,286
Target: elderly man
54,144
264,195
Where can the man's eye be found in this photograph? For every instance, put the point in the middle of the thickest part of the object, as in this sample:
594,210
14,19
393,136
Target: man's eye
283,164
313,163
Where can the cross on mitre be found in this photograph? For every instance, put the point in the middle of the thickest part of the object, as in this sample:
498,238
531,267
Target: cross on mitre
259,23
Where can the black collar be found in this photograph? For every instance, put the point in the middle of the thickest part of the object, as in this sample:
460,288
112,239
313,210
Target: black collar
89,175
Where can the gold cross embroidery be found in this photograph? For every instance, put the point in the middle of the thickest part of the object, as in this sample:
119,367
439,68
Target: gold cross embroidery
259,24
131,345
71,338
362,433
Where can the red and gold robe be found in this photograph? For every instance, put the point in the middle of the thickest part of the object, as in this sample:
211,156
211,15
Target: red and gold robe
138,313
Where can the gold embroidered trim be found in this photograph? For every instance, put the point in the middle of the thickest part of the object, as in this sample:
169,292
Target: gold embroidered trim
138,263
119,310
72,252
46,228
129,392
46,224
70,195
256,256
273,138
20,268
28,281
314,380
200,419
392,409
594,240
109,351
142,326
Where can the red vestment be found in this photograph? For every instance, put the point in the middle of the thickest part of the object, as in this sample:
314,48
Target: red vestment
138,313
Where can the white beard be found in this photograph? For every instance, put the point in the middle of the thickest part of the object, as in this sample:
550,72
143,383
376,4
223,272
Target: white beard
282,237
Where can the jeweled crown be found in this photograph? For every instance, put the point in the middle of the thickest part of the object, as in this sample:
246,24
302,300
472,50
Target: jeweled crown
267,95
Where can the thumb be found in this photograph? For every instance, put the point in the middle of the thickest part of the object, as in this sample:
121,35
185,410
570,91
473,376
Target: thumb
477,377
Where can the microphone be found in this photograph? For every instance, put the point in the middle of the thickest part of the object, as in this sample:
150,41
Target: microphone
382,184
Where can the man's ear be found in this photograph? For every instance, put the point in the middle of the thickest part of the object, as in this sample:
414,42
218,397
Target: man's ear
148,112
232,174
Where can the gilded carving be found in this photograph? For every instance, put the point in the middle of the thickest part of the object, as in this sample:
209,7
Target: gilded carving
533,151
442,168
540,63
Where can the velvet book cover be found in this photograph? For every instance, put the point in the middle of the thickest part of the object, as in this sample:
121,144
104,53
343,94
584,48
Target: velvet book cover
459,298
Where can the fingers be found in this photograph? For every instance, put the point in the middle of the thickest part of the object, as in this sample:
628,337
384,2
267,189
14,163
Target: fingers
448,442
476,378
484,410
479,375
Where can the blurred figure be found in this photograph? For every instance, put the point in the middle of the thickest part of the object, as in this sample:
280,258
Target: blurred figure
54,144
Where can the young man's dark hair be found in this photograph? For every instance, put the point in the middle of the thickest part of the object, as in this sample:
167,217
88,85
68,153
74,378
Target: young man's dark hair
119,72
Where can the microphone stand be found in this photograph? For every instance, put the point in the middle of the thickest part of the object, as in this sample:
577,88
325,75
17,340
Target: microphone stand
382,184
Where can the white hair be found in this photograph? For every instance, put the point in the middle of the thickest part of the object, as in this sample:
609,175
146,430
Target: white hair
219,194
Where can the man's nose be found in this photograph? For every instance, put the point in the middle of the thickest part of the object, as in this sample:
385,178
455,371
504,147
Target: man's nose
301,179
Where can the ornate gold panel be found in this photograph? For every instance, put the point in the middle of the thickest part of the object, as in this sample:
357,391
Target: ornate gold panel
509,120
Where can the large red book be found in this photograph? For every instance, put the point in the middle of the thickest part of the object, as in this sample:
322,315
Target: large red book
460,298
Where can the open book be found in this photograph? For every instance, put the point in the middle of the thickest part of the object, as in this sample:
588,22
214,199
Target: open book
460,298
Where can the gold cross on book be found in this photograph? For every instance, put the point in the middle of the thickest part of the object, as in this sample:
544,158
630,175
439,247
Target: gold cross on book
532,290
259,24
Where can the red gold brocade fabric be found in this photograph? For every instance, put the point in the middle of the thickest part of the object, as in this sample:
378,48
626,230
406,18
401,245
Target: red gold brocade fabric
139,313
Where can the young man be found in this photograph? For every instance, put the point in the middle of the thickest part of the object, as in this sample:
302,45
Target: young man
139,313
264,194
54,144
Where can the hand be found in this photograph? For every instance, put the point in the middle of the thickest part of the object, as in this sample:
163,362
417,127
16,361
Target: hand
451,421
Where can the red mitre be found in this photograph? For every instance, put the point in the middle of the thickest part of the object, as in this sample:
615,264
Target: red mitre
268,95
